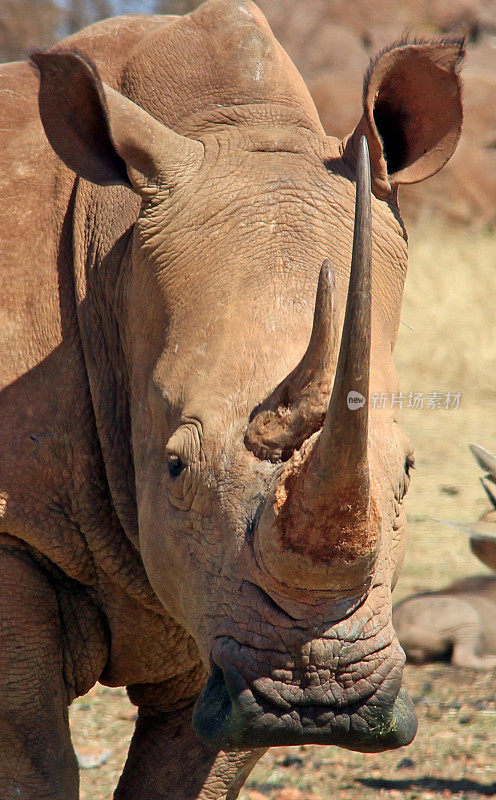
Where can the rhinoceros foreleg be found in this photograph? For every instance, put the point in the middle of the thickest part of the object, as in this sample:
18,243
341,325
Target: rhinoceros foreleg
167,761
37,761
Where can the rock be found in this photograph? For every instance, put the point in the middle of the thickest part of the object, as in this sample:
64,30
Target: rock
291,761
434,713
291,793
90,757
466,715
128,716
405,763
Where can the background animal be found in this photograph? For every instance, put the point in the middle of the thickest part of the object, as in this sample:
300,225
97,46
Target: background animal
459,621
177,487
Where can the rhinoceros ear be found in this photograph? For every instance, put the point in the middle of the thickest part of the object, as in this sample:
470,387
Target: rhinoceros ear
102,135
412,112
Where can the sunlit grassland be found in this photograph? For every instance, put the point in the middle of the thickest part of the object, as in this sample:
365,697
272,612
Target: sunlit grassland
450,302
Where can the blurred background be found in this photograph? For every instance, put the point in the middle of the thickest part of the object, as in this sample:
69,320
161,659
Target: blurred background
446,344
331,42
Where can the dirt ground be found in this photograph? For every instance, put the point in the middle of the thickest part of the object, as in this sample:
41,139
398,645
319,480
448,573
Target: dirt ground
450,305
453,755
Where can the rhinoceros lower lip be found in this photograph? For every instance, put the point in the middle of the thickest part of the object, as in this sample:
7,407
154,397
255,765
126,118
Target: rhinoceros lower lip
226,719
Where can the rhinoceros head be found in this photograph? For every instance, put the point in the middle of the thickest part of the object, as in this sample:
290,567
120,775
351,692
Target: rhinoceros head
269,493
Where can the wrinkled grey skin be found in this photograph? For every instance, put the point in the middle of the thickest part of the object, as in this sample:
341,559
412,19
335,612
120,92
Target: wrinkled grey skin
158,285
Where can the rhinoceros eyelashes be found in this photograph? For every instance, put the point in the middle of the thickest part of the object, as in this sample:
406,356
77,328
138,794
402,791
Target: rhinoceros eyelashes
175,465
182,460
405,483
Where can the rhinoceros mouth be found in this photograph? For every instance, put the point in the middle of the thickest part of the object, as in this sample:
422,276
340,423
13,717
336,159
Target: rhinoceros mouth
234,714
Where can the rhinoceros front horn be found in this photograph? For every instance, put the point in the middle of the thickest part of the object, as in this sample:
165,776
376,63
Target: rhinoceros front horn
340,455
318,528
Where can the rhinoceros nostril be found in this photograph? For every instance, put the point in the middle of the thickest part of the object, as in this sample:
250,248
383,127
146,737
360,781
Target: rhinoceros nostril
231,714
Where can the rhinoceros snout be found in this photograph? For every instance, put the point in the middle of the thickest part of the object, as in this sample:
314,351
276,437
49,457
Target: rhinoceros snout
231,714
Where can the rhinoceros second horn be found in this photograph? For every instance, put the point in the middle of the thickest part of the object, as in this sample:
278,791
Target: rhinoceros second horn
320,507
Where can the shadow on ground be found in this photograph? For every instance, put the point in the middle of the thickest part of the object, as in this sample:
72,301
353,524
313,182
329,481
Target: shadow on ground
462,787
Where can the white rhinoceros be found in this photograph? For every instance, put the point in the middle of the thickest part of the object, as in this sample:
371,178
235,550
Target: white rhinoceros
185,508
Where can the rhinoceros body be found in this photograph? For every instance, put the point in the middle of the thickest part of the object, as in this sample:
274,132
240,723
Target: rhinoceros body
458,622
183,510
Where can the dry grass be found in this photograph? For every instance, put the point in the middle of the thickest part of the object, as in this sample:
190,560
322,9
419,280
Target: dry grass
449,301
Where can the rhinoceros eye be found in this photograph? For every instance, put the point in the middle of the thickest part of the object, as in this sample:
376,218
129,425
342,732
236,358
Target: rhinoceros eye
175,466
182,463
